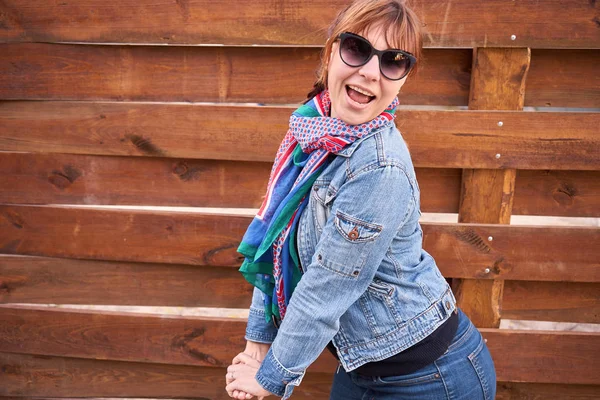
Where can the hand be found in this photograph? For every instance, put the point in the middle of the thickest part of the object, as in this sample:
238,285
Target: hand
242,384
255,350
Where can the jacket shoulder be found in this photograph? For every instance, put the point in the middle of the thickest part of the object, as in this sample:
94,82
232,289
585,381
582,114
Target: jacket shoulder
385,147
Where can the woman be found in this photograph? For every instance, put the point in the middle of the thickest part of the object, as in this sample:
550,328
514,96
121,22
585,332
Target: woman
339,230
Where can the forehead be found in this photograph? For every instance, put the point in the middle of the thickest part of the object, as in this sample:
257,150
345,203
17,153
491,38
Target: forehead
384,34
379,36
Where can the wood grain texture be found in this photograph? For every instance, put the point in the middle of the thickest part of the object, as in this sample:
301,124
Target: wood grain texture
544,357
487,196
437,139
472,23
552,301
65,281
544,391
40,71
46,377
554,73
561,193
162,339
521,356
481,299
497,83
51,178
78,179
461,250
101,234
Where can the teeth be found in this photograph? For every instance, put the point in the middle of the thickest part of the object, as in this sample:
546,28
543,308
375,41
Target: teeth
359,90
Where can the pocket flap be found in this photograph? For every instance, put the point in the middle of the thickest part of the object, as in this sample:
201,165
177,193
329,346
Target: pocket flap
354,229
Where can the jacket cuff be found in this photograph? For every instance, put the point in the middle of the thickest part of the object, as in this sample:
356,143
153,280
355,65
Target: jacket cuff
258,329
277,379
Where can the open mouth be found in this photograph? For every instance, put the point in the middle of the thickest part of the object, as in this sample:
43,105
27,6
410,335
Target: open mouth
359,95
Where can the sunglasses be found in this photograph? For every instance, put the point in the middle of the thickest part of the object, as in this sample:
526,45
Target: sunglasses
356,51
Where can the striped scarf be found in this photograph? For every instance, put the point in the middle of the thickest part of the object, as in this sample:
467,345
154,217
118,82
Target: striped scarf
269,245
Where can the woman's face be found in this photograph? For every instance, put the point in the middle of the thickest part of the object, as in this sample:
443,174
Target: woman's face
344,82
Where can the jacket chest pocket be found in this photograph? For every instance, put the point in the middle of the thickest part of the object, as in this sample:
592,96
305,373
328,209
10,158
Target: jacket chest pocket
347,244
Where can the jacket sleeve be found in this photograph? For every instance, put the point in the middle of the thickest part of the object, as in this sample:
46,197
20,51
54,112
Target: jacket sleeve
366,214
258,329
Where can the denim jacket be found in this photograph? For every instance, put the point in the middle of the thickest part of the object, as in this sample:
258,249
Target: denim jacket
368,285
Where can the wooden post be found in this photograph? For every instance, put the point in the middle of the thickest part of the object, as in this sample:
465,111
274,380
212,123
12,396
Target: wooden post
497,83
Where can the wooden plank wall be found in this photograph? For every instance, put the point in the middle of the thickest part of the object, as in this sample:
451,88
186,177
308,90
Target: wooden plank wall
106,103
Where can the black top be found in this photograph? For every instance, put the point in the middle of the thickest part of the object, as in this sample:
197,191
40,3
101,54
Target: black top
415,357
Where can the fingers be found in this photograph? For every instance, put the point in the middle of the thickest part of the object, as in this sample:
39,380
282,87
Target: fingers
246,359
241,395
236,394
229,377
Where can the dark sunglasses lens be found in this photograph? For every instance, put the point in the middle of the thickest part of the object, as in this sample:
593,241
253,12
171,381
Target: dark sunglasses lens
355,52
394,65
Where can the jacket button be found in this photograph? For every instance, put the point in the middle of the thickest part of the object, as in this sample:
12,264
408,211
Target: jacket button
353,235
355,273
315,188
319,257
447,305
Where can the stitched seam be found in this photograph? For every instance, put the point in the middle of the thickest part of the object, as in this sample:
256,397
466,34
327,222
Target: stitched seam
417,337
379,147
376,166
442,378
393,260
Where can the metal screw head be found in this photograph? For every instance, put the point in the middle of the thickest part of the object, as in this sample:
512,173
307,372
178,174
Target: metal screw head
490,238
500,123
513,37
498,155
487,271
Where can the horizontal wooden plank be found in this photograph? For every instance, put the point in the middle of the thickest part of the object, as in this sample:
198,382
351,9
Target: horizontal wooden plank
437,139
461,250
543,391
521,356
552,301
553,74
164,339
38,71
148,236
544,357
60,377
514,252
560,193
65,281
472,23
502,139
50,178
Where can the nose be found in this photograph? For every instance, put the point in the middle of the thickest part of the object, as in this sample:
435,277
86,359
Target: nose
371,69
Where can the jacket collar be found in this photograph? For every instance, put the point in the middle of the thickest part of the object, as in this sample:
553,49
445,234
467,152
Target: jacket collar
349,150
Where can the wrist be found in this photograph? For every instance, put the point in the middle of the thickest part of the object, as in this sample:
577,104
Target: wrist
257,350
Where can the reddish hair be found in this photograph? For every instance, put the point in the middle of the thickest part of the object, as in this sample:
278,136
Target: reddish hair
399,23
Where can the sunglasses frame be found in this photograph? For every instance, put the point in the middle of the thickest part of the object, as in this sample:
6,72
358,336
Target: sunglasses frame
379,53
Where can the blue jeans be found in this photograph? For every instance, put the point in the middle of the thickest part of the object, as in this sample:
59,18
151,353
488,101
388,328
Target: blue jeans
466,371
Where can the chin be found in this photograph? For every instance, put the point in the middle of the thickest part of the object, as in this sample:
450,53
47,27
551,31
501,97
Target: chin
352,117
